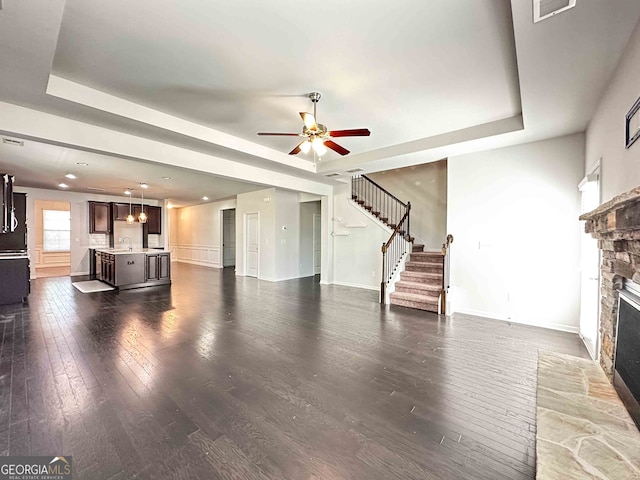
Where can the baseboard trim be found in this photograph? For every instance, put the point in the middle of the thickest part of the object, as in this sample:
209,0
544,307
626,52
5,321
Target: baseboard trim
201,264
492,316
356,285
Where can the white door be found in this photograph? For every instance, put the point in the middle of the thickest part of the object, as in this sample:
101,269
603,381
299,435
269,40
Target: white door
228,238
590,271
253,239
317,243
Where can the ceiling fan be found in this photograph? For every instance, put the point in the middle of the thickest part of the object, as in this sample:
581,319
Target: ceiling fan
316,136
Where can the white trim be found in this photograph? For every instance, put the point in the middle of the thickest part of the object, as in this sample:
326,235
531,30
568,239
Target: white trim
246,245
503,318
355,285
196,254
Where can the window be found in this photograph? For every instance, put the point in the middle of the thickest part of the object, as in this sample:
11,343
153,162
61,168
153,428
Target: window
56,226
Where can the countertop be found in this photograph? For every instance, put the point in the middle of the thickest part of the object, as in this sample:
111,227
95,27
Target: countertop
126,251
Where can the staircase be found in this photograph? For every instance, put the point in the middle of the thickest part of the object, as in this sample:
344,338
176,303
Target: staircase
420,283
425,281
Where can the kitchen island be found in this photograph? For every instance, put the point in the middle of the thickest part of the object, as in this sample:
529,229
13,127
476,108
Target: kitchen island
126,268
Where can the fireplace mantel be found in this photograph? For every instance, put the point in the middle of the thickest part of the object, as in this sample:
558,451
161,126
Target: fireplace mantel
616,225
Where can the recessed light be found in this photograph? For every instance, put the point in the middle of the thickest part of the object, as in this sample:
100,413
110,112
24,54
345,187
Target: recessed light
205,198
144,185
71,176
82,164
127,192
63,185
166,178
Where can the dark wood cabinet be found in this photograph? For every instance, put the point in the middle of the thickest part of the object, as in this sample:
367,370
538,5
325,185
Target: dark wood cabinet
107,268
100,217
121,211
154,220
158,267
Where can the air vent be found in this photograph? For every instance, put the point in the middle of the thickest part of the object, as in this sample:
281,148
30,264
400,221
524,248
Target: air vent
95,189
334,174
543,9
354,170
12,141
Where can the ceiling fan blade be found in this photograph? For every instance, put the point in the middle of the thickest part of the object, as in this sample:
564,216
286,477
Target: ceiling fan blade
335,147
280,134
354,132
297,149
309,120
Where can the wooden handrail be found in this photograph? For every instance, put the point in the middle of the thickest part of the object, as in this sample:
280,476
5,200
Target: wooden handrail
385,191
385,246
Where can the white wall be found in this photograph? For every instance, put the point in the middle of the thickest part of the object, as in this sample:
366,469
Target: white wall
425,186
195,234
287,235
357,241
514,215
620,168
81,240
307,211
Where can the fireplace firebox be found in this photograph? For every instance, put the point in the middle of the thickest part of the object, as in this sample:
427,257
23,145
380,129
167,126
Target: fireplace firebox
626,378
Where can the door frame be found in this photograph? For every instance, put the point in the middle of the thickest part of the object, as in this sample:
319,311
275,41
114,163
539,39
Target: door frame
246,243
221,213
595,171
313,251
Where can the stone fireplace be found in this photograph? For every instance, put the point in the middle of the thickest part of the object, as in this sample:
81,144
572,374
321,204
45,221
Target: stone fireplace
616,225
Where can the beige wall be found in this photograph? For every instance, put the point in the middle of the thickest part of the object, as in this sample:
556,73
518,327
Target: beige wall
195,233
620,167
41,258
514,215
425,186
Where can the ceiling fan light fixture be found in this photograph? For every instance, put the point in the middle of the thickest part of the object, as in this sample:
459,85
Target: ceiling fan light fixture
318,146
305,146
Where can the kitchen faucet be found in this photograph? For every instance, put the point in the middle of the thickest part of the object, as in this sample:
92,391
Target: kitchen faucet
130,243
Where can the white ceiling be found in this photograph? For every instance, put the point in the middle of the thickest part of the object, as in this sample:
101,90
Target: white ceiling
40,165
428,78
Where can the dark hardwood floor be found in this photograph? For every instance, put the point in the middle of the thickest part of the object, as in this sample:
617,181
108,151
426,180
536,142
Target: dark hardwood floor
234,378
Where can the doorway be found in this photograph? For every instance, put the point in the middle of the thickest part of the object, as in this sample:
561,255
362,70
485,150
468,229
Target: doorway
229,238
590,268
252,242
52,226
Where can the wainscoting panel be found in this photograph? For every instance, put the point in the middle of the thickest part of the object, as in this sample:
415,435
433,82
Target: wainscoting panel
205,255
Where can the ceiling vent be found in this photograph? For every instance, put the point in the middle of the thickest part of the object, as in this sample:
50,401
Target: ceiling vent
95,189
13,141
334,174
354,170
543,9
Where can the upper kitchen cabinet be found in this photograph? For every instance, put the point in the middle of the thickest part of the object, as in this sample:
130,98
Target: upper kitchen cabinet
99,217
121,211
154,220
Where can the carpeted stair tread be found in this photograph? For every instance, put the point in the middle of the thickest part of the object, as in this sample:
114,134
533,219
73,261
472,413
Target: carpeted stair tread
421,277
417,247
419,288
412,300
426,257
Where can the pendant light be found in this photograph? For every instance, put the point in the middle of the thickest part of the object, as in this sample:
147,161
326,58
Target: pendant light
130,218
142,218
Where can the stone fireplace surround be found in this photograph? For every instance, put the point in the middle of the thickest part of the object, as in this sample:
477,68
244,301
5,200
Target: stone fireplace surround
616,225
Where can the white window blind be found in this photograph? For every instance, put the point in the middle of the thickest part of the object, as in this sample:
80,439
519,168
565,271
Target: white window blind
56,230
